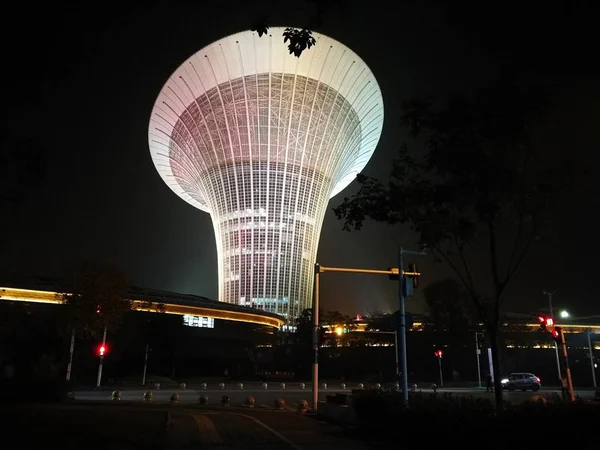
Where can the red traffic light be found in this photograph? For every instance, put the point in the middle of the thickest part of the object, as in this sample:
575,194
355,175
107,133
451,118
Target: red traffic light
545,322
102,350
438,353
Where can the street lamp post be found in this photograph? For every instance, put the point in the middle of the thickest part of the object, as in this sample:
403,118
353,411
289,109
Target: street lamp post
549,294
478,352
589,336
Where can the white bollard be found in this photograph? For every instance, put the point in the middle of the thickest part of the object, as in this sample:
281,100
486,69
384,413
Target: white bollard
221,385
324,386
157,386
397,387
343,386
240,385
302,386
378,386
183,386
203,386
116,395
265,386
360,386
148,396
282,385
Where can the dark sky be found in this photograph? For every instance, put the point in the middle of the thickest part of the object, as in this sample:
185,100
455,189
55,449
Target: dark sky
80,83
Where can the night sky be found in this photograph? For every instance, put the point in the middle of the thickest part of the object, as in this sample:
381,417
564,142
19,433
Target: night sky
80,84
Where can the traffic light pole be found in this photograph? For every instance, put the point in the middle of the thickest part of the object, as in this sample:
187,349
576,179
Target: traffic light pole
402,329
567,368
401,336
71,351
589,336
549,294
145,364
99,378
402,325
315,318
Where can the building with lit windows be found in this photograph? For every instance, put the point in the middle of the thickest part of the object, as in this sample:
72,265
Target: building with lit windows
261,140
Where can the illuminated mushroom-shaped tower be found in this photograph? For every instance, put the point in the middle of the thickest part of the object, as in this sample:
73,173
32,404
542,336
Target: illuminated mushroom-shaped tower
262,140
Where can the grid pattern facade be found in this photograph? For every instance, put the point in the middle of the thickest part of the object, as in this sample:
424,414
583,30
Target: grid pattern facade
263,153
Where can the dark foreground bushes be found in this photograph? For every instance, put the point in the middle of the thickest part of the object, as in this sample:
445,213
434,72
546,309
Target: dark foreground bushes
442,419
34,391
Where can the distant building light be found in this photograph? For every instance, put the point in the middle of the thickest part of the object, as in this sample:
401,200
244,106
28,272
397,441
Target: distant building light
198,321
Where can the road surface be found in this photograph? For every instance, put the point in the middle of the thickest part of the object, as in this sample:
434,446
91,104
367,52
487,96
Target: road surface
122,426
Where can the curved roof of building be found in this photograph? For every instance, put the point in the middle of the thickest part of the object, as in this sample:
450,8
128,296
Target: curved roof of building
147,300
209,111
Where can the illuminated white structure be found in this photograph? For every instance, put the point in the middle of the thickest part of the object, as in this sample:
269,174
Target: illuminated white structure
262,140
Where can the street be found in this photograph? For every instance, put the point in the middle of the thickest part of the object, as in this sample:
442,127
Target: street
121,426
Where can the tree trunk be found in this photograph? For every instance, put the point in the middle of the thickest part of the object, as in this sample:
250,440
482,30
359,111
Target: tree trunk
495,345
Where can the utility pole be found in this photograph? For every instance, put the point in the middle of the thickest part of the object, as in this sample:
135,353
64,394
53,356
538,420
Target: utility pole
71,350
549,294
99,378
589,336
478,352
145,364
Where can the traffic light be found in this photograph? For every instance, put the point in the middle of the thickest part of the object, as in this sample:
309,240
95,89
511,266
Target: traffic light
415,278
98,309
438,353
102,349
542,321
546,323
556,335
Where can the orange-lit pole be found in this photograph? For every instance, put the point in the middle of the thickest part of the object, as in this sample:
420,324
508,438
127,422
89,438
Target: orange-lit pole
567,368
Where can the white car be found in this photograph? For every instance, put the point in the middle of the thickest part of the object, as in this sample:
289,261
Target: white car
522,381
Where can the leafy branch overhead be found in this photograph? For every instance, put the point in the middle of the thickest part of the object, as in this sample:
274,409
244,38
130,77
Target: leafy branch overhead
298,39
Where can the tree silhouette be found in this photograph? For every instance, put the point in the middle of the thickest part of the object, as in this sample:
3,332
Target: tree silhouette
480,181
300,39
98,298
449,306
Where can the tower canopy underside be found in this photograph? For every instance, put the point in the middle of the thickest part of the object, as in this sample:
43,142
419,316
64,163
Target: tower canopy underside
236,74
